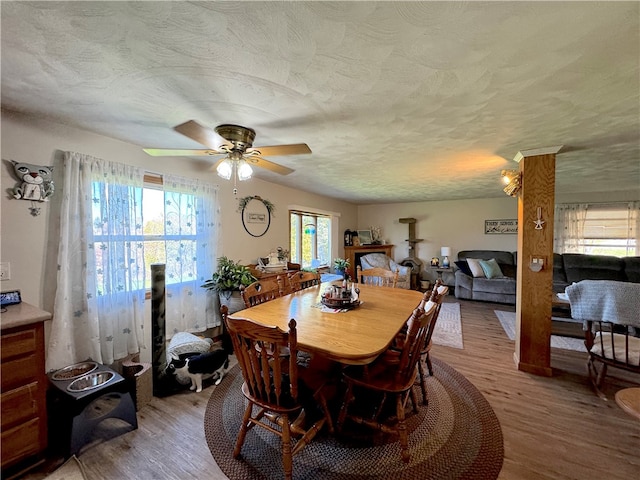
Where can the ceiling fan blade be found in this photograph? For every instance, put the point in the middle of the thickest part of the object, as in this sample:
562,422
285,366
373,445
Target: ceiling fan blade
267,165
214,167
200,134
163,152
276,150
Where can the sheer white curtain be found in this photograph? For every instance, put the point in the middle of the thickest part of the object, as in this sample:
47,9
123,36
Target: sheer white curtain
569,228
192,236
99,304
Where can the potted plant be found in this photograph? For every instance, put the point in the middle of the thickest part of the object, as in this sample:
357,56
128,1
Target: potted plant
340,266
227,280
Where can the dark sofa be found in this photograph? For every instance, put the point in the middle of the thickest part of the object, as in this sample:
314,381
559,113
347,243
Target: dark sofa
568,268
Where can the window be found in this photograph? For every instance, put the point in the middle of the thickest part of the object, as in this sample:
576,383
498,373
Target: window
164,230
600,229
609,231
310,240
170,235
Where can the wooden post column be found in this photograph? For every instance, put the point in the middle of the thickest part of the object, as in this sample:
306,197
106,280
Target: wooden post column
535,250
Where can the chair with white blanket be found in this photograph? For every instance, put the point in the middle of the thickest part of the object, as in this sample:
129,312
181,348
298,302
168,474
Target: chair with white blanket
610,311
380,260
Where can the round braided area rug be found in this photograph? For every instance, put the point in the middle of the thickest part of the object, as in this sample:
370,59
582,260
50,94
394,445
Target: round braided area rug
457,436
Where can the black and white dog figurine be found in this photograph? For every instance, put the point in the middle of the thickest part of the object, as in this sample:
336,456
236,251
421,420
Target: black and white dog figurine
201,367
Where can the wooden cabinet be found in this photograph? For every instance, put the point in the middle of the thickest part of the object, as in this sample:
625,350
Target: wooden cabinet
353,254
24,383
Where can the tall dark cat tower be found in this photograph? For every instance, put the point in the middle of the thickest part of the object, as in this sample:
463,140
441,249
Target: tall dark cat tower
412,261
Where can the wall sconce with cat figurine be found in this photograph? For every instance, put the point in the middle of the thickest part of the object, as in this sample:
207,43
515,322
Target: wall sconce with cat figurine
35,183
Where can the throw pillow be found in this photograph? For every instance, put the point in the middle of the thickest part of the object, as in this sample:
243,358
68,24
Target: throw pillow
491,268
508,270
474,266
464,266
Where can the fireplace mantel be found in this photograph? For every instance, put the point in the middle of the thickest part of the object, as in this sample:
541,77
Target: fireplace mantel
353,254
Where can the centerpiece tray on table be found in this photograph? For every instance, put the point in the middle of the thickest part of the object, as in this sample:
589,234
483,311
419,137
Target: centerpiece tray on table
340,303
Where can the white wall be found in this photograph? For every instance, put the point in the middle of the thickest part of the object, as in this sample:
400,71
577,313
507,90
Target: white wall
458,224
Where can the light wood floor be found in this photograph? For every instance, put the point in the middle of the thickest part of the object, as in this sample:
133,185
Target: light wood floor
554,428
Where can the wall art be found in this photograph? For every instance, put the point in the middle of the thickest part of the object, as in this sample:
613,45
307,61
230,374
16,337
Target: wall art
508,226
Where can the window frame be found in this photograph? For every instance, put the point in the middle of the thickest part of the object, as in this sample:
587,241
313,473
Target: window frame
333,218
591,242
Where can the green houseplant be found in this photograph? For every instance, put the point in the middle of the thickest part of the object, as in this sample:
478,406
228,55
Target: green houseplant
341,265
229,276
227,280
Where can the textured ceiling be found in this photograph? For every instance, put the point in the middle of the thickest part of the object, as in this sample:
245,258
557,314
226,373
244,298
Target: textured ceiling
399,101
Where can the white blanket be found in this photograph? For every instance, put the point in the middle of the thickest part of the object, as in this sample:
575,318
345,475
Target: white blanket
606,300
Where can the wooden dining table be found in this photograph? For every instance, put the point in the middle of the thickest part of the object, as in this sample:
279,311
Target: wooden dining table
353,337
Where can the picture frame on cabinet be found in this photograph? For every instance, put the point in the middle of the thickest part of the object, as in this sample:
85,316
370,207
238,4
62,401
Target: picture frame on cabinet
365,237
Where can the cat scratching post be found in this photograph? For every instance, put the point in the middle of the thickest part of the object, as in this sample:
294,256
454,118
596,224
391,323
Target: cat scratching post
158,328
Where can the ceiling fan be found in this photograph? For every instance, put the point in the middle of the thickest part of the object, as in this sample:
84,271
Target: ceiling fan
236,144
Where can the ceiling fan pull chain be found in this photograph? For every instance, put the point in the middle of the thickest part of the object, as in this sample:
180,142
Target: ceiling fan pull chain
235,179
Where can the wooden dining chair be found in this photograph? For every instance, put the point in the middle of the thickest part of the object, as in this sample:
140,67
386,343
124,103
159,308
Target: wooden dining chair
394,382
609,311
303,279
437,296
262,291
288,398
376,276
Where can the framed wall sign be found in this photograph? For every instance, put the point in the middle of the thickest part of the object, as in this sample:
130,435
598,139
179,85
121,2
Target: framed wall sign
501,226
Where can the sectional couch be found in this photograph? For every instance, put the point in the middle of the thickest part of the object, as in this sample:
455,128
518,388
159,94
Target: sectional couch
498,289
567,269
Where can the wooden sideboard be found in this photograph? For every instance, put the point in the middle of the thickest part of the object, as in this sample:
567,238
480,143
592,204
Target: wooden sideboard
353,254
24,384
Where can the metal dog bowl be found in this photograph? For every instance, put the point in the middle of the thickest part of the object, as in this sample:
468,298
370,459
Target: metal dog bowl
91,381
74,371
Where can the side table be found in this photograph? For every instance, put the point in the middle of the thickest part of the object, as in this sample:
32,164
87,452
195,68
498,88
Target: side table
629,400
441,270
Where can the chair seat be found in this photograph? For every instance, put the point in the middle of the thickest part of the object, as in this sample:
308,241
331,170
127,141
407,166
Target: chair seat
618,342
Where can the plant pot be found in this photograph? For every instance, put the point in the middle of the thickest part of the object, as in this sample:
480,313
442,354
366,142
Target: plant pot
340,272
232,299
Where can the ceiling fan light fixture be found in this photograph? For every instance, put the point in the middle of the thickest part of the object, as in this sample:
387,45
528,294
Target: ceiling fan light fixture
244,170
225,169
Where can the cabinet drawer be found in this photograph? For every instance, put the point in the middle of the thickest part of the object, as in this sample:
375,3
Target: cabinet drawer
21,442
19,371
19,343
19,405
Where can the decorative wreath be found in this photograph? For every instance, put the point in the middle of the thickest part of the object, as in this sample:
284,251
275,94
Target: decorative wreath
242,203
